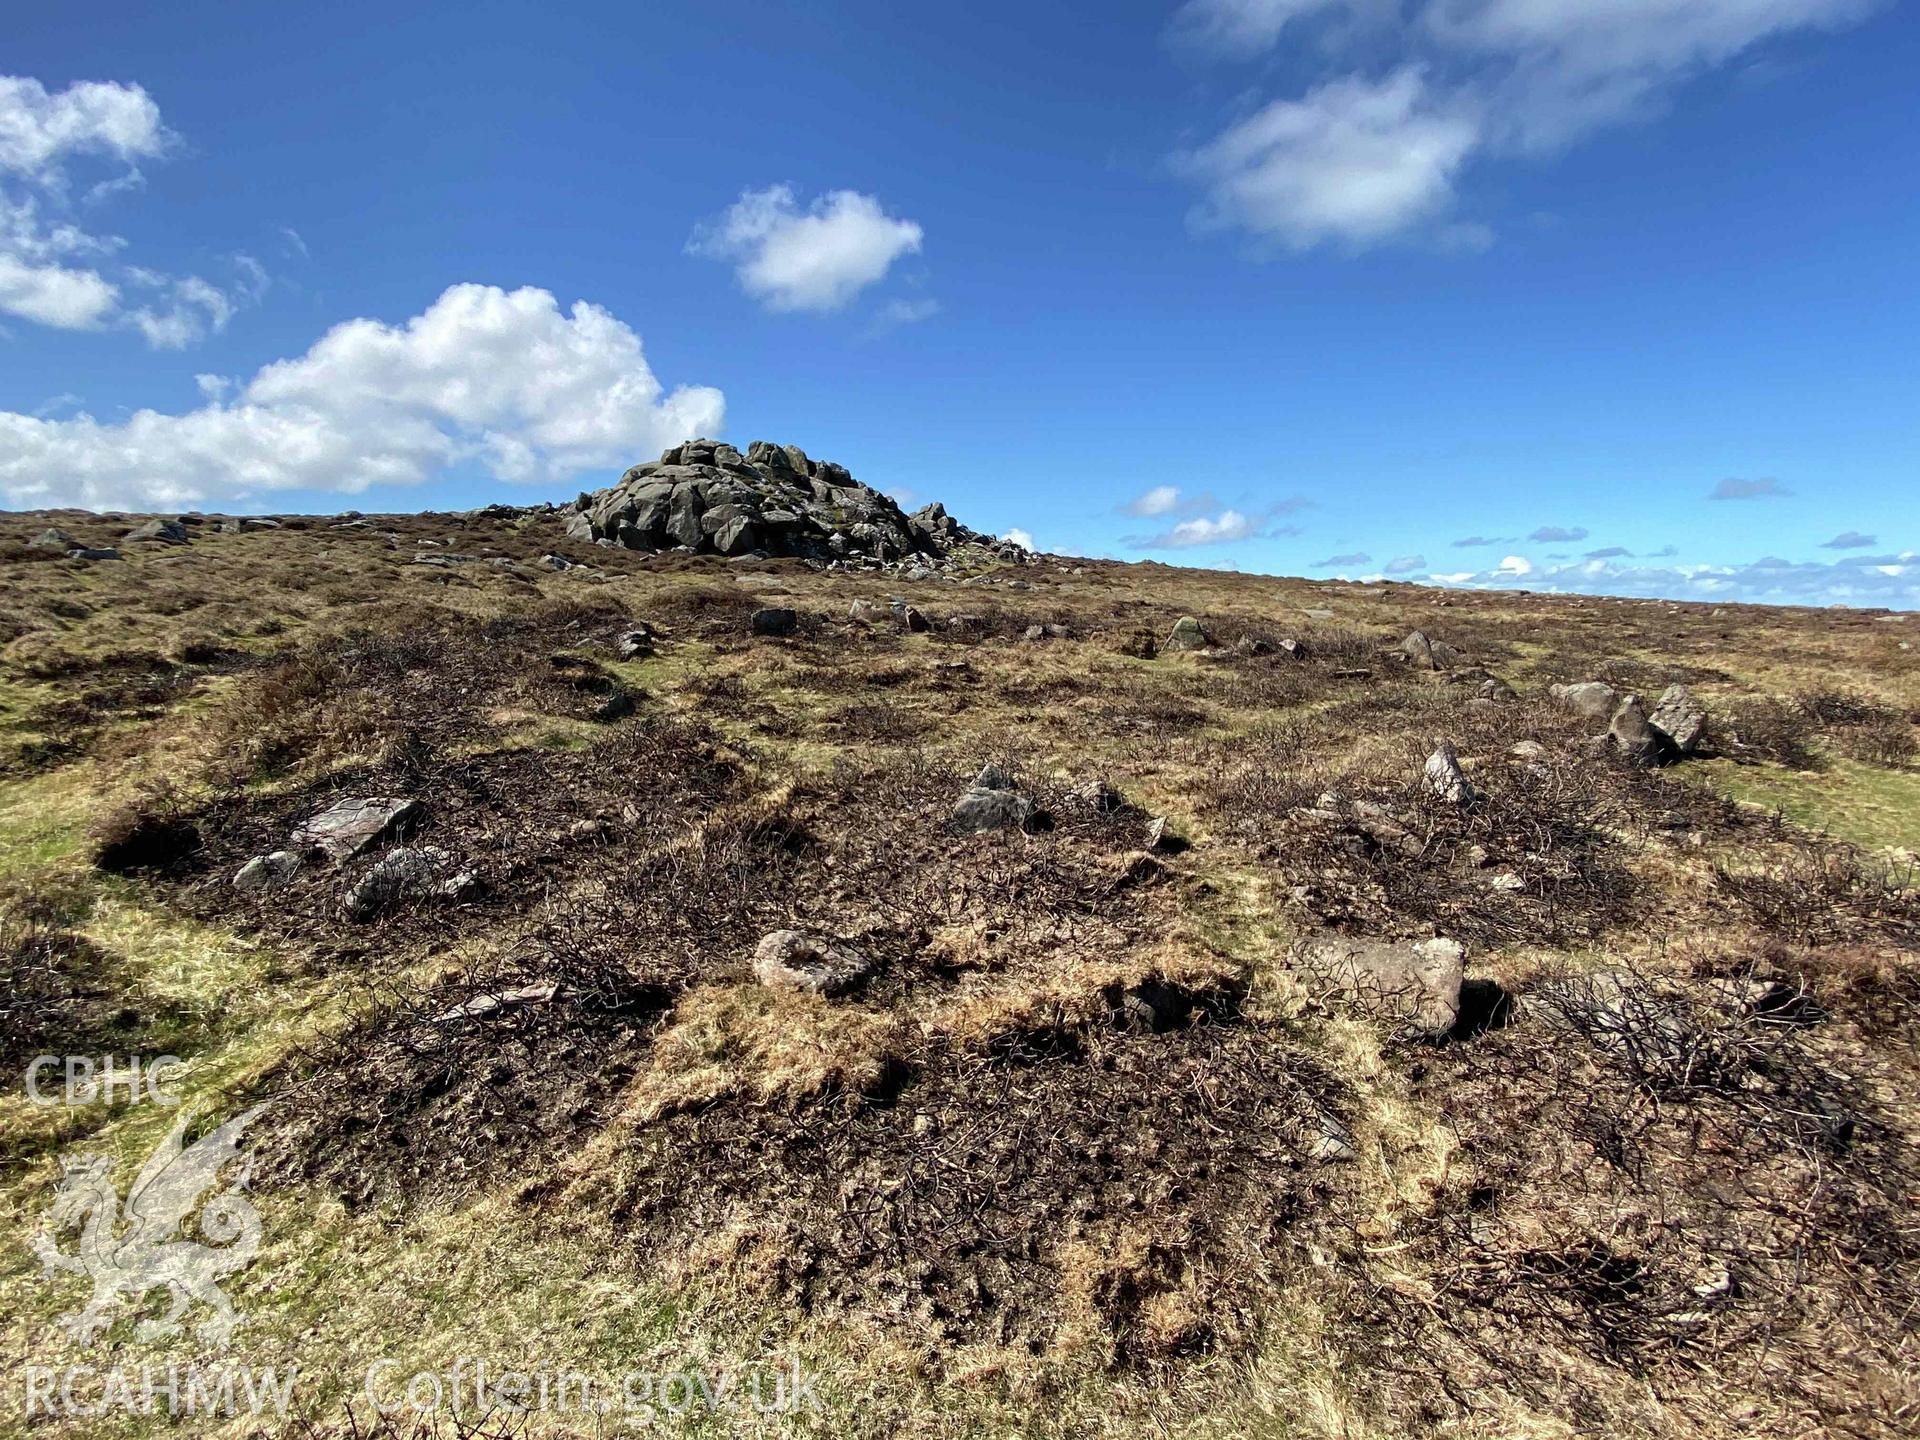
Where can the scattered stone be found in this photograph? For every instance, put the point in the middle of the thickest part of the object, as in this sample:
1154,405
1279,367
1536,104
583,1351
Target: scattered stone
1507,881
790,960
1529,750
1333,1145
993,777
54,540
868,612
1410,983
165,532
1633,734
352,827
774,620
984,808
1445,656
1680,719
636,644
492,1001
1292,650
1445,779
408,874
247,525
915,622
269,871
1590,699
1046,632
1161,840
1187,635
93,552
1418,650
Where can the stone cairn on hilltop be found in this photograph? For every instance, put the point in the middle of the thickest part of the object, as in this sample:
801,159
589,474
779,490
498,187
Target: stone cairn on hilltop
705,497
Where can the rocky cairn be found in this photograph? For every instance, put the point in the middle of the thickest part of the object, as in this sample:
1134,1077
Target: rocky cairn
705,497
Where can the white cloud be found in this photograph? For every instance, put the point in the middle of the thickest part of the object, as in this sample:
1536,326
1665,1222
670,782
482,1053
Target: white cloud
1022,538
1355,160
501,380
39,129
55,295
816,259
1360,160
1514,567
1160,500
1230,525
42,134
1892,580
1238,27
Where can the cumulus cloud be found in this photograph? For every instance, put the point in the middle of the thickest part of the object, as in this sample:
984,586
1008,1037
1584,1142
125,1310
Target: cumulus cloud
503,381
816,259
1514,566
41,129
55,273
1762,489
1357,159
1022,538
1160,500
1227,526
1850,540
1354,160
1357,557
1559,534
1405,564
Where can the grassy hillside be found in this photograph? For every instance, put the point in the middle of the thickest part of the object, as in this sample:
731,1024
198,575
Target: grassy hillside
1084,1150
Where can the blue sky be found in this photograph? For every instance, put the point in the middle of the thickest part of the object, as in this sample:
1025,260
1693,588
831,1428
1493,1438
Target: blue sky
1318,287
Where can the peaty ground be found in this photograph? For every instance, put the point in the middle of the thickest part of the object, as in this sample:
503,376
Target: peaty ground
1076,1152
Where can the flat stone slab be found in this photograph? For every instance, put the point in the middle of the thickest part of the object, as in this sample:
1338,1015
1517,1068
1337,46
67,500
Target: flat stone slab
353,827
1415,984
790,960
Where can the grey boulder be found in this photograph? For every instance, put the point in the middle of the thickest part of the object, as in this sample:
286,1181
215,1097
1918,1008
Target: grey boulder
1590,699
1680,718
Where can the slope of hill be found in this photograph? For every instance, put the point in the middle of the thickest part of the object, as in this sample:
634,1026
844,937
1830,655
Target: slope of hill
1031,995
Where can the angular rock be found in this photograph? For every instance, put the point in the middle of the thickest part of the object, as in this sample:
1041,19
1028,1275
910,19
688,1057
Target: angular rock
1444,778
791,960
1590,699
165,532
1633,734
1414,984
1419,650
993,777
909,617
636,644
1291,650
269,871
980,811
1186,635
409,874
1680,719
352,827
52,539
774,620
490,1002
93,552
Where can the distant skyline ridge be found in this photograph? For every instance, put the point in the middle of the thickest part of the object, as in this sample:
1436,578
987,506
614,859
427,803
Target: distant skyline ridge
1474,293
